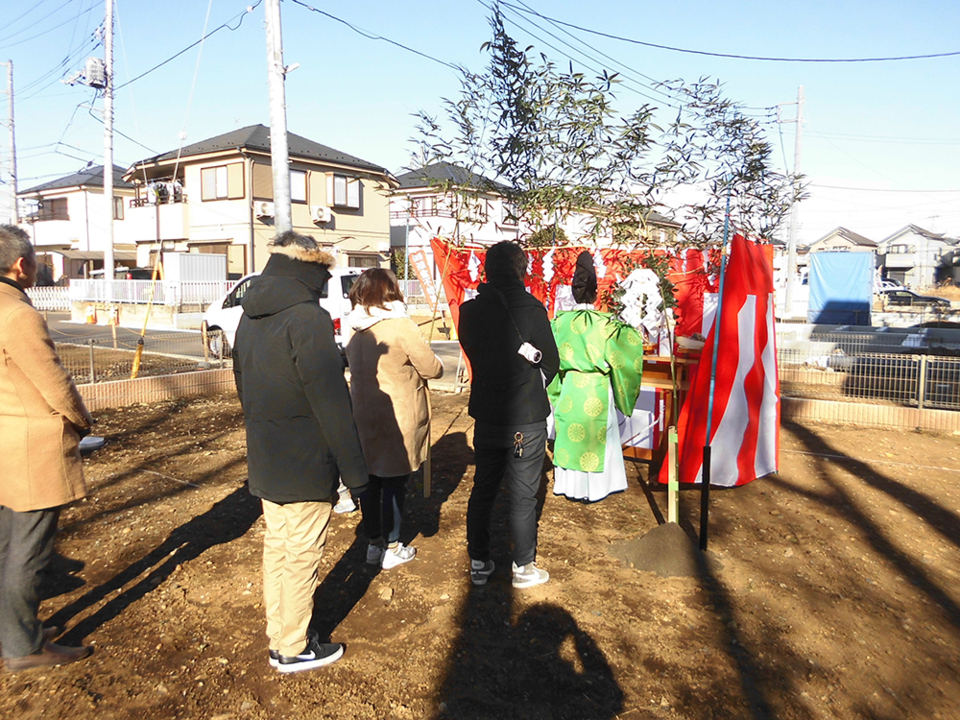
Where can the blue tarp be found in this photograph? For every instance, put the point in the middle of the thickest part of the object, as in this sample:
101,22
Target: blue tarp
841,288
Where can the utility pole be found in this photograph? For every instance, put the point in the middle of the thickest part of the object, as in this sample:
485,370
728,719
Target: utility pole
108,139
15,213
792,240
279,151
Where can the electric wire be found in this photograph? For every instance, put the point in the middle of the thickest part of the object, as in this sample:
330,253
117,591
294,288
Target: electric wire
604,55
34,23
373,36
193,86
885,139
226,25
894,190
734,56
25,13
48,30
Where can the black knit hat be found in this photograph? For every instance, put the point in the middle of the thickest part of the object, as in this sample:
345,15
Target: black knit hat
585,279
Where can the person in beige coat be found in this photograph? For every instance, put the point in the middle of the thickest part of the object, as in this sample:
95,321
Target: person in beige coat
389,362
41,419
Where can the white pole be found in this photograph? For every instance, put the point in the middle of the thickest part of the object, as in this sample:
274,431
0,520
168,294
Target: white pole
108,140
15,215
792,241
279,151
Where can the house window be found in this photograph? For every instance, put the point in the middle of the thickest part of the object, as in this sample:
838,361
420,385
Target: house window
118,208
471,209
224,182
344,191
511,215
52,209
900,249
364,261
424,206
298,186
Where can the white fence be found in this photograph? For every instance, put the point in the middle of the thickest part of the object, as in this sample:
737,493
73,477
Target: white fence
171,294
50,298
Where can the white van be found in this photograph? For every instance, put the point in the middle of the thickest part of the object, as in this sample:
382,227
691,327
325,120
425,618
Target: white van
224,312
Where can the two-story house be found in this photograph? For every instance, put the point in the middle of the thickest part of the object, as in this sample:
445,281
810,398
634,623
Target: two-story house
448,201
842,240
915,257
216,196
66,219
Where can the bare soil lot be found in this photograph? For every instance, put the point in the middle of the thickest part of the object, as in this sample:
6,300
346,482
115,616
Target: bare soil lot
832,592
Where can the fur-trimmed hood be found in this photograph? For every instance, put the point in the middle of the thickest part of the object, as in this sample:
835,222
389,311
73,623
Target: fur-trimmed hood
296,252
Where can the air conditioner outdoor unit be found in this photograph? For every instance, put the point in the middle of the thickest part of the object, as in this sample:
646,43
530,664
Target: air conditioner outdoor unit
263,209
321,213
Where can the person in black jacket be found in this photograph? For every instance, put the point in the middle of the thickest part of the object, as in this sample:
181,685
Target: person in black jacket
300,437
510,406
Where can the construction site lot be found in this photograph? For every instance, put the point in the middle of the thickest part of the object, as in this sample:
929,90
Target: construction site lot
829,590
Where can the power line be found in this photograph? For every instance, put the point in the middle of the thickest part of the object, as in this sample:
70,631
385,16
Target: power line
48,30
602,54
862,189
735,57
194,44
373,36
885,139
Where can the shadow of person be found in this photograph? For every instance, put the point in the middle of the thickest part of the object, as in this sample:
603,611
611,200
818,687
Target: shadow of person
342,588
542,666
59,577
226,521
449,464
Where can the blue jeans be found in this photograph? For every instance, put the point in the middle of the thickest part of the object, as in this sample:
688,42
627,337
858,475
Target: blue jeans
494,462
382,507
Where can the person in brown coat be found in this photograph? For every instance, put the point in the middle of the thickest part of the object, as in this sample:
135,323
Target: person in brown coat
389,361
41,419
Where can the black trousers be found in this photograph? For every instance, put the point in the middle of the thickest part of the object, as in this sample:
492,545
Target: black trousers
495,462
26,545
382,507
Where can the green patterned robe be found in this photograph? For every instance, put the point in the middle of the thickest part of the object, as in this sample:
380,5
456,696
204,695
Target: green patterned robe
595,350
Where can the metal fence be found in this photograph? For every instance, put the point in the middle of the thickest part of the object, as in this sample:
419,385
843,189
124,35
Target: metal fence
875,368
53,299
171,294
99,359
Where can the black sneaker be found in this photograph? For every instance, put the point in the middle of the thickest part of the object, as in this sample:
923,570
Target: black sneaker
480,570
316,654
275,658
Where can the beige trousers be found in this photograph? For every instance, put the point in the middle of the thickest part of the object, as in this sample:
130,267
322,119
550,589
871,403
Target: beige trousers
292,547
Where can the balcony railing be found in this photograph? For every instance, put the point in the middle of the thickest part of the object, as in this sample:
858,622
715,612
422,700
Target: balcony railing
164,200
422,212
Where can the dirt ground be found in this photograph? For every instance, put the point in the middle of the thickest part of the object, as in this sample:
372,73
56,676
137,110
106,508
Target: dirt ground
831,591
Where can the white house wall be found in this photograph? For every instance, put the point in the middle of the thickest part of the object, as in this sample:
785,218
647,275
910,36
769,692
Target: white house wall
86,228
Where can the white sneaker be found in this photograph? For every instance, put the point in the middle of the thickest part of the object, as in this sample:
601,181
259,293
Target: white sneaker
525,576
375,554
345,505
397,556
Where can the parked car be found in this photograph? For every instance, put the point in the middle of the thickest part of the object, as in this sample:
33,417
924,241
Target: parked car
224,312
888,284
904,297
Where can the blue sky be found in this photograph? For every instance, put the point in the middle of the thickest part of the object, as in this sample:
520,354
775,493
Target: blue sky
881,141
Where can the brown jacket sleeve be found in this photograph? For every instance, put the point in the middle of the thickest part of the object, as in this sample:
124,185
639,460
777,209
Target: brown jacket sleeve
29,345
421,355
